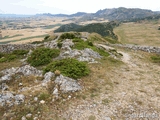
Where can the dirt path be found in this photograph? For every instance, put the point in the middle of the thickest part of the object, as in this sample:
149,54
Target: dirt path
134,92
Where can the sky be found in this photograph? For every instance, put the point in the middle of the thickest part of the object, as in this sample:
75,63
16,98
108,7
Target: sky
71,6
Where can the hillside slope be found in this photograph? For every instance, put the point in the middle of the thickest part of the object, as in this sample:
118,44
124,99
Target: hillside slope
104,29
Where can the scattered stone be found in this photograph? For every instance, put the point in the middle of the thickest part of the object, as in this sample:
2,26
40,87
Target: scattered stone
35,98
23,118
42,101
69,97
35,118
29,115
20,84
55,92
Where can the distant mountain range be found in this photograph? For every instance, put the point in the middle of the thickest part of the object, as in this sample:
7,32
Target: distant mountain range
78,14
120,13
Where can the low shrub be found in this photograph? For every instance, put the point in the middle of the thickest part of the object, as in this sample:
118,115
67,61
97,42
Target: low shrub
1,55
11,57
8,58
156,58
20,52
69,67
42,56
67,36
59,44
3,59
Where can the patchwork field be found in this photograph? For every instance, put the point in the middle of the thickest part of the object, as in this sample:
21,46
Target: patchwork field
25,30
143,33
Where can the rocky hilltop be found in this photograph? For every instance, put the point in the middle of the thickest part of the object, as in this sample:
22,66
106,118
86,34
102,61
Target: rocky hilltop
77,77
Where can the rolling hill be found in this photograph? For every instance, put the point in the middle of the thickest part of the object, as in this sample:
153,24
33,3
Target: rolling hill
104,29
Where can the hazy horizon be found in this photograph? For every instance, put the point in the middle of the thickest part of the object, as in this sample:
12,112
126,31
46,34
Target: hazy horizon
28,7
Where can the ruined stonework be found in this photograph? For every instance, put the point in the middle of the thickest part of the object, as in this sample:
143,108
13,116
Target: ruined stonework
8,48
150,49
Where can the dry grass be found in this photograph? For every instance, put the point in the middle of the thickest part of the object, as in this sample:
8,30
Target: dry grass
145,33
6,65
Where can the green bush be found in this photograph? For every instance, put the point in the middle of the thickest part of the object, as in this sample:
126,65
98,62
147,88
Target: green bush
46,37
67,36
42,56
3,59
7,58
69,67
20,52
11,57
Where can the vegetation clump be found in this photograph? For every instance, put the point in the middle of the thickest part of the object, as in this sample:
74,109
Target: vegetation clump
46,39
12,56
42,56
67,36
69,67
81,44
156,58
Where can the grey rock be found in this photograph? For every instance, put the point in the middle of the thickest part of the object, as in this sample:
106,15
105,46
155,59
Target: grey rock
4,86
29,70
25,70
19,99
52,44
87,59
87,55
87,52
66,44
48,76
67,84
9,99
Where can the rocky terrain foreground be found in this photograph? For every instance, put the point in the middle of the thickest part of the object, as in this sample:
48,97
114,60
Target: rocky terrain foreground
122,86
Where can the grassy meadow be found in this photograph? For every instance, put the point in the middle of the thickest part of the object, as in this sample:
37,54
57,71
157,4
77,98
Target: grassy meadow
142,33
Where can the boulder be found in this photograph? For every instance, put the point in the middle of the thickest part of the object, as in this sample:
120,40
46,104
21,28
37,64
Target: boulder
67,84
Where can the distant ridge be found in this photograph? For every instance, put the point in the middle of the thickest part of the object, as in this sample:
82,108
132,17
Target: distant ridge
121,14
78,14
